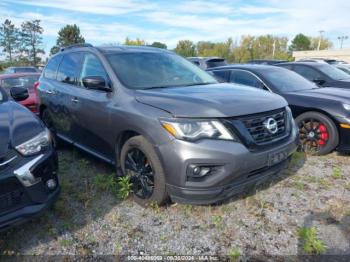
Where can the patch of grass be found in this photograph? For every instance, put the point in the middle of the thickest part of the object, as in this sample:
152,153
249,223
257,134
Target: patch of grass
311,244
124,187
297,157
299,185
337,172
104,182
66,242
234,254
217,220
324,182
310,179
187,210
347,186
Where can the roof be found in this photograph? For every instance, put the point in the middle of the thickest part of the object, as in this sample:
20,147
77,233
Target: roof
304,63
205,58
4,76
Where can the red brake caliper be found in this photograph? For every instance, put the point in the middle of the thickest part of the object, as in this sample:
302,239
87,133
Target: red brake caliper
323,135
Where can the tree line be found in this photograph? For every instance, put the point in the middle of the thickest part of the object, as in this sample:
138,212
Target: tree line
23,45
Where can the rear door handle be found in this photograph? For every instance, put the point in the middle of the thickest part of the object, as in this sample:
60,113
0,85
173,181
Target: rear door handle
75,100
51,92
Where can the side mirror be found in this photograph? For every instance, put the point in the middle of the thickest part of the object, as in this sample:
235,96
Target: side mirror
19,93
96,83
319,81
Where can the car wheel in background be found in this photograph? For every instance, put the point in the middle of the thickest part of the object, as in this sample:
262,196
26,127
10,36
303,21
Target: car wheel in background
318,133
140,161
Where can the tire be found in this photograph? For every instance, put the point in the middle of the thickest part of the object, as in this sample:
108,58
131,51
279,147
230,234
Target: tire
159,195
47,120
328,130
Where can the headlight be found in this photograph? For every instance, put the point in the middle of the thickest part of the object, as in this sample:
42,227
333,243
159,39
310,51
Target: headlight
347,107
291,123
191,129
36,144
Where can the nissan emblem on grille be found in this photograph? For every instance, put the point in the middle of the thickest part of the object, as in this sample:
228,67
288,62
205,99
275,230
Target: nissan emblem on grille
271,125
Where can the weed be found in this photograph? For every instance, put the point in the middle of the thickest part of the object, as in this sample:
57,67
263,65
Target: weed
105,182
217,220
311,244
337,172
234,254
162,237
299,185
297,157
323,182
66,242
124,187
347,186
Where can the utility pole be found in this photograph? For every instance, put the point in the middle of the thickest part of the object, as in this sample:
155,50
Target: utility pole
319,40
341,39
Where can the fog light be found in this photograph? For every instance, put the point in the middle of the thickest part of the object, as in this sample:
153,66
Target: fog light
51,184
198,171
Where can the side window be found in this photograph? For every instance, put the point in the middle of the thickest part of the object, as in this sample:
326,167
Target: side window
92,66
221,76
307,72
245,78
68,71
51,68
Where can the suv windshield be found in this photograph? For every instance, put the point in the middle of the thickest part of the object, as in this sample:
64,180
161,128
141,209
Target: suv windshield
145,70
287,81
333,72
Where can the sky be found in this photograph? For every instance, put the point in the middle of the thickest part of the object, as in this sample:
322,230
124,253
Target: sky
111,21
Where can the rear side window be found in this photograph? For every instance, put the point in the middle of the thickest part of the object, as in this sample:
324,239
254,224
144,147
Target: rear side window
68,71
307,72
222,76
244,78
26,70
216,62
51,68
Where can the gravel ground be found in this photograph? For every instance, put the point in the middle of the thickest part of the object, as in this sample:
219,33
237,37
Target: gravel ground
89,219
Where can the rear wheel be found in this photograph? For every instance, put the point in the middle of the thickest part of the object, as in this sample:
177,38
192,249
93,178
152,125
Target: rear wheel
318,133
140,162
46,118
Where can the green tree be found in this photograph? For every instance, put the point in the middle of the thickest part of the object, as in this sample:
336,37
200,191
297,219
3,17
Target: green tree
159,45
185,48
300,43
325,43
31,40
9,39
137,42
68,35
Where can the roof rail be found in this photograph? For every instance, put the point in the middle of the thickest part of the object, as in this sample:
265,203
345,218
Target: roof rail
75,46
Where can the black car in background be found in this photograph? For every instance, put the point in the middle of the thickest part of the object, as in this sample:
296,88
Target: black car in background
21,69
322,114
322,74
207,62
266,61
28,162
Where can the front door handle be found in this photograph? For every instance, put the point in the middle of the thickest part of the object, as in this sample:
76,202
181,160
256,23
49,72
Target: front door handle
51,92
75,100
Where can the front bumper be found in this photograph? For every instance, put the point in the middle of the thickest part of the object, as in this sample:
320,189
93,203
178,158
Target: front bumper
237,168
20,200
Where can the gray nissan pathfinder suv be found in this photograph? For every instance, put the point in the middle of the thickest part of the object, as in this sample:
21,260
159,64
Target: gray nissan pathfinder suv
164,122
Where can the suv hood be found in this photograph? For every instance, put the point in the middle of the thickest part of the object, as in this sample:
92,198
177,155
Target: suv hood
328,93
17,125
215,100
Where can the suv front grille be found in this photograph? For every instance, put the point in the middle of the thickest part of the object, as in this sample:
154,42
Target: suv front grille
258,131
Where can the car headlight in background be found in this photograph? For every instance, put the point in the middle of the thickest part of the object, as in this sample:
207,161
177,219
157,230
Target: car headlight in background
194,129
346,107
36,144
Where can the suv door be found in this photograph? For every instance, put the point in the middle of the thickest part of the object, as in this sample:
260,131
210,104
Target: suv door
91,112
64,93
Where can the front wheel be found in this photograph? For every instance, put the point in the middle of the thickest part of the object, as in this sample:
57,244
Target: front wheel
139,161
318,133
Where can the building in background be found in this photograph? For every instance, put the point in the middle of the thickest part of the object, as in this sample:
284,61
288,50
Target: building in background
340,54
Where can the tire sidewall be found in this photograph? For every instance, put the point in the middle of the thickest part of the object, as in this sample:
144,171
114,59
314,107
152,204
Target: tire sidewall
159,195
